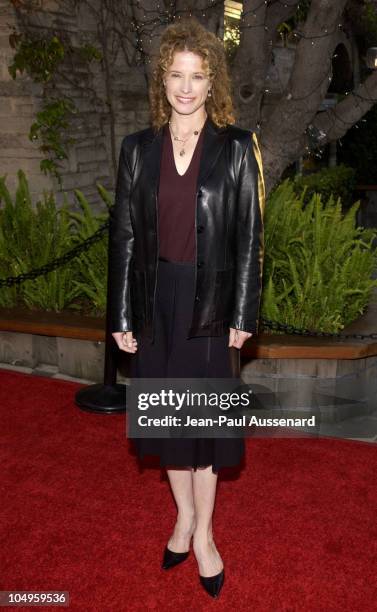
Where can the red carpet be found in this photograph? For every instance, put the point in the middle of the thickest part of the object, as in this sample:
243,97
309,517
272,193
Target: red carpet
297,530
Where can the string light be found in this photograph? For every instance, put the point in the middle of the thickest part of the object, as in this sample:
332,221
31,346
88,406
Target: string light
156,17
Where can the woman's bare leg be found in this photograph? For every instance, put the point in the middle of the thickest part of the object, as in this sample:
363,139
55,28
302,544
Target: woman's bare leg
206,553
181,485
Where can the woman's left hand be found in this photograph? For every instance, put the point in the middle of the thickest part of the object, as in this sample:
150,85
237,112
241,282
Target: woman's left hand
237,337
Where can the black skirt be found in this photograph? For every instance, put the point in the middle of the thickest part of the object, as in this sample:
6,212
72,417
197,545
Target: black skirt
173,355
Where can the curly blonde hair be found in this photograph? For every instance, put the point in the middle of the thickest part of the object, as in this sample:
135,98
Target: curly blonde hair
189,35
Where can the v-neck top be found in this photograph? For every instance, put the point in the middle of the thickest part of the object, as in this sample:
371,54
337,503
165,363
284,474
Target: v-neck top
176,203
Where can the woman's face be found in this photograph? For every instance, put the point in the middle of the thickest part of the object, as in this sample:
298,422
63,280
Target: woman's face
186,83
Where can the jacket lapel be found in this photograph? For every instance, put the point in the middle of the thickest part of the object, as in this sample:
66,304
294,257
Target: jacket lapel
151,153
213,142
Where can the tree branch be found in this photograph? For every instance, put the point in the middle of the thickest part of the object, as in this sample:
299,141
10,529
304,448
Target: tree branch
285,129
252,61
336,121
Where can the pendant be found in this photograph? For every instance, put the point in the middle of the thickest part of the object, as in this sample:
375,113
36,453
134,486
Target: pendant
182,152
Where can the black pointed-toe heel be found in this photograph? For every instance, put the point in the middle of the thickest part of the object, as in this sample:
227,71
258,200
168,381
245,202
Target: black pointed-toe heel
171,558
213,584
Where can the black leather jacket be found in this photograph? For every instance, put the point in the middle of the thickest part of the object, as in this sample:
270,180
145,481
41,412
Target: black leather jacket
229,233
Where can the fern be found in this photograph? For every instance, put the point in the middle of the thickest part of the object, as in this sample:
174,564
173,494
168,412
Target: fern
317,274
318,265
31,237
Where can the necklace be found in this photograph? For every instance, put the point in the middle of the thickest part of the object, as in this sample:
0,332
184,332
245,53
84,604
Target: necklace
185,140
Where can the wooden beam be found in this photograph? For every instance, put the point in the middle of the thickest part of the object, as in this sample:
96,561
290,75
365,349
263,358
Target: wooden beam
263,346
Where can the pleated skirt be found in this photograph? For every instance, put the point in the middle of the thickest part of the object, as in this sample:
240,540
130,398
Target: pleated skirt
173,355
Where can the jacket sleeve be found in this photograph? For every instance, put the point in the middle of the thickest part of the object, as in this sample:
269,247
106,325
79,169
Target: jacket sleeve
121,247
250,240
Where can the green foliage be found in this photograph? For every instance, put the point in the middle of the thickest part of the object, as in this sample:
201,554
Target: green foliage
91,280
302,11
317,270
369,22
88,53
40,56
363,17
286,28
231,39
31,237
338,181
318,264
37,55
49,128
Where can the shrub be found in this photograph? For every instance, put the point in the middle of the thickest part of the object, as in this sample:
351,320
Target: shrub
317,269
91,280
31,237
339,182
318,264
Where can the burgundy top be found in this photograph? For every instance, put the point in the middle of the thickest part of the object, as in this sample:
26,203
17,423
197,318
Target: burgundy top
176,203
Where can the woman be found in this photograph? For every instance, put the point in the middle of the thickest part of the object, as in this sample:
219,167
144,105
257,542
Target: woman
186,257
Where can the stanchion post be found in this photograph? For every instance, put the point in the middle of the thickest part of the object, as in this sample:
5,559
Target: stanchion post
109,397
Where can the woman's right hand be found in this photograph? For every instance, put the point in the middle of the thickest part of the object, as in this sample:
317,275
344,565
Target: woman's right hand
125,341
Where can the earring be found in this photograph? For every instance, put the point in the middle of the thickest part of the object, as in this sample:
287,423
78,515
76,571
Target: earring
209,93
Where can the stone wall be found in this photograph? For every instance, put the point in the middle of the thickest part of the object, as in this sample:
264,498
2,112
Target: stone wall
90,157
50,355
339,393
